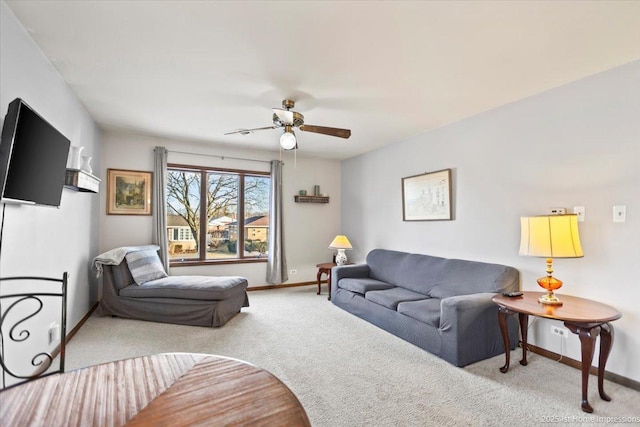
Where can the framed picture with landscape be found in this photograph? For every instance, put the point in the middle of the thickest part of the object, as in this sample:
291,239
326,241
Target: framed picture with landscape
128,192
427,197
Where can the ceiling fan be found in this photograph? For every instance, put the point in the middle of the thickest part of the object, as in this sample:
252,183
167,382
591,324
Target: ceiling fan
288,119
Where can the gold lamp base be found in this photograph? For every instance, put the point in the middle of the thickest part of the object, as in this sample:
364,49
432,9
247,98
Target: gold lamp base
549,299
549,283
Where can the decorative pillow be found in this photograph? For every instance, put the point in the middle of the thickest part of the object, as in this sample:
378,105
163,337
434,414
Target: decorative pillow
145,266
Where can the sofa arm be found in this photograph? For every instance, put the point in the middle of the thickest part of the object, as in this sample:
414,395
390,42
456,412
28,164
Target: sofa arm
469,328
345,271
463,310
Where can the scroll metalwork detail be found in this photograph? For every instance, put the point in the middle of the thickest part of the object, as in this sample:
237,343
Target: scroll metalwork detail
15,331
22,335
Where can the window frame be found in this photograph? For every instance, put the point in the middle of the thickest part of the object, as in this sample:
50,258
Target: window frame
202,248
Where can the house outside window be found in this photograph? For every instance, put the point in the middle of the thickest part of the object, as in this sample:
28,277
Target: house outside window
210,213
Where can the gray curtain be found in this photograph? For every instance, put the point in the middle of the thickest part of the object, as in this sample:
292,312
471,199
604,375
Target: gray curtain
159,208
277,262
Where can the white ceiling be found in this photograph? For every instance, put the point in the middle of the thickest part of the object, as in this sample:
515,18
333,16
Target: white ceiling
386,70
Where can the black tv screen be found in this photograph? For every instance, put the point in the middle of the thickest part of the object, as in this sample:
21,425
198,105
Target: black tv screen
33,158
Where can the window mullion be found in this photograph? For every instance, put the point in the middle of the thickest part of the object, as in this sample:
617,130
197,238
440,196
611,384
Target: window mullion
241,237
204,190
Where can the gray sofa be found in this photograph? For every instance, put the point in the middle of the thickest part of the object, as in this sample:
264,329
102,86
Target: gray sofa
441,305
186,300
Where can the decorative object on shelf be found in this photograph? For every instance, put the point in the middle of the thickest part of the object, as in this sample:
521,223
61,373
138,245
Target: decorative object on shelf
427,197
128,192
79,180
316,190
550,236
302,192
341,243
75,157
86,164
311,199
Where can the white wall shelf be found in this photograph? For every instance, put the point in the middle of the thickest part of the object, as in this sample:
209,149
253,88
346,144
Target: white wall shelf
79,180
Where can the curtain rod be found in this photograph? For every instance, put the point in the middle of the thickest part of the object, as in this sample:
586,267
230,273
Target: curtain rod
221,157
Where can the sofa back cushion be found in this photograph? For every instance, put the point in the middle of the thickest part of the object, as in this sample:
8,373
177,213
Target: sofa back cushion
419,273
120,275
461,277
440,277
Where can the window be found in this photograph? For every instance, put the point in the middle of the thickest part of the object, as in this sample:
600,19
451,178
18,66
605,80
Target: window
206,222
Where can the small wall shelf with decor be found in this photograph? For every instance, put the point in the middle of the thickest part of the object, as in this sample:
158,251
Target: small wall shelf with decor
79,180
311,199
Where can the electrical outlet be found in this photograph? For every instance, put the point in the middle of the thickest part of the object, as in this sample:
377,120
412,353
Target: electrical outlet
54,332
556,211
556,330
293,271
619,213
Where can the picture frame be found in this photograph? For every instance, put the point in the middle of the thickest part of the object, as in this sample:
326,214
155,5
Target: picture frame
427,197
128,192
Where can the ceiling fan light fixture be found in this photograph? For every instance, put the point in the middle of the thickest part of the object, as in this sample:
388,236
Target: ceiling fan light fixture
288,139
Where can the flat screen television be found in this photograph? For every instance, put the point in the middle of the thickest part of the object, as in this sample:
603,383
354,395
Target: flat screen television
33,158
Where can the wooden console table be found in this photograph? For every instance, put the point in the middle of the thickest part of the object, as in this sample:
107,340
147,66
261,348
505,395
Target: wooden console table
583,317
166,389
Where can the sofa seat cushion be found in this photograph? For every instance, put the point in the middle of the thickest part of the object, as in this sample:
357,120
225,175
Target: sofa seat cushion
390,298
188,287
363,285
425,311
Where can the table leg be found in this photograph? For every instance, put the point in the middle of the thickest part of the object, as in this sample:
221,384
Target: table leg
606,340
503,314
319,280
329,284
524,327
588,344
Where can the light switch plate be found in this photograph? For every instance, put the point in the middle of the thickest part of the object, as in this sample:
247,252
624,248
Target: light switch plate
580,211
619,213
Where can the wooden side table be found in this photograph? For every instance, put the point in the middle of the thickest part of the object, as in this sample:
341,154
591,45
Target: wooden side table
583,317
325,268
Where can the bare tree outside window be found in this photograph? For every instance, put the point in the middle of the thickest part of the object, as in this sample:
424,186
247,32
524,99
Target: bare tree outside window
222,210
256,214
183,213
216,215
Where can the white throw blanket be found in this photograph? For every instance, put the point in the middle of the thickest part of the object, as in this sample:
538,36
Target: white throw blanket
115,256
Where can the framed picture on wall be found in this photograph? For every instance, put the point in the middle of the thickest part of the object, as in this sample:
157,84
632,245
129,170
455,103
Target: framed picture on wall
128,192
427,197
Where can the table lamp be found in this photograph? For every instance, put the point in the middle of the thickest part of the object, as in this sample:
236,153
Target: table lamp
340,243
550,236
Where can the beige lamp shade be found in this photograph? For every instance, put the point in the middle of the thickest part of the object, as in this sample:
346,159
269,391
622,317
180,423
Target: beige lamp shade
550,236
340,242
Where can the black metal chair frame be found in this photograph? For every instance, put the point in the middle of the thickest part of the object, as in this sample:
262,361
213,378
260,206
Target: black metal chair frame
16,333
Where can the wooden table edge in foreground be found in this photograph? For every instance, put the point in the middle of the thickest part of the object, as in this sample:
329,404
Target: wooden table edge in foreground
181,389
583,317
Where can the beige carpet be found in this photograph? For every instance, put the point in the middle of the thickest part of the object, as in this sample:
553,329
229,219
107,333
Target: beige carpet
347,372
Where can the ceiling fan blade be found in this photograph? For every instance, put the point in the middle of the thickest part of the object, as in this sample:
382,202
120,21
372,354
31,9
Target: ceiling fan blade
248,131
285,116
341,133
